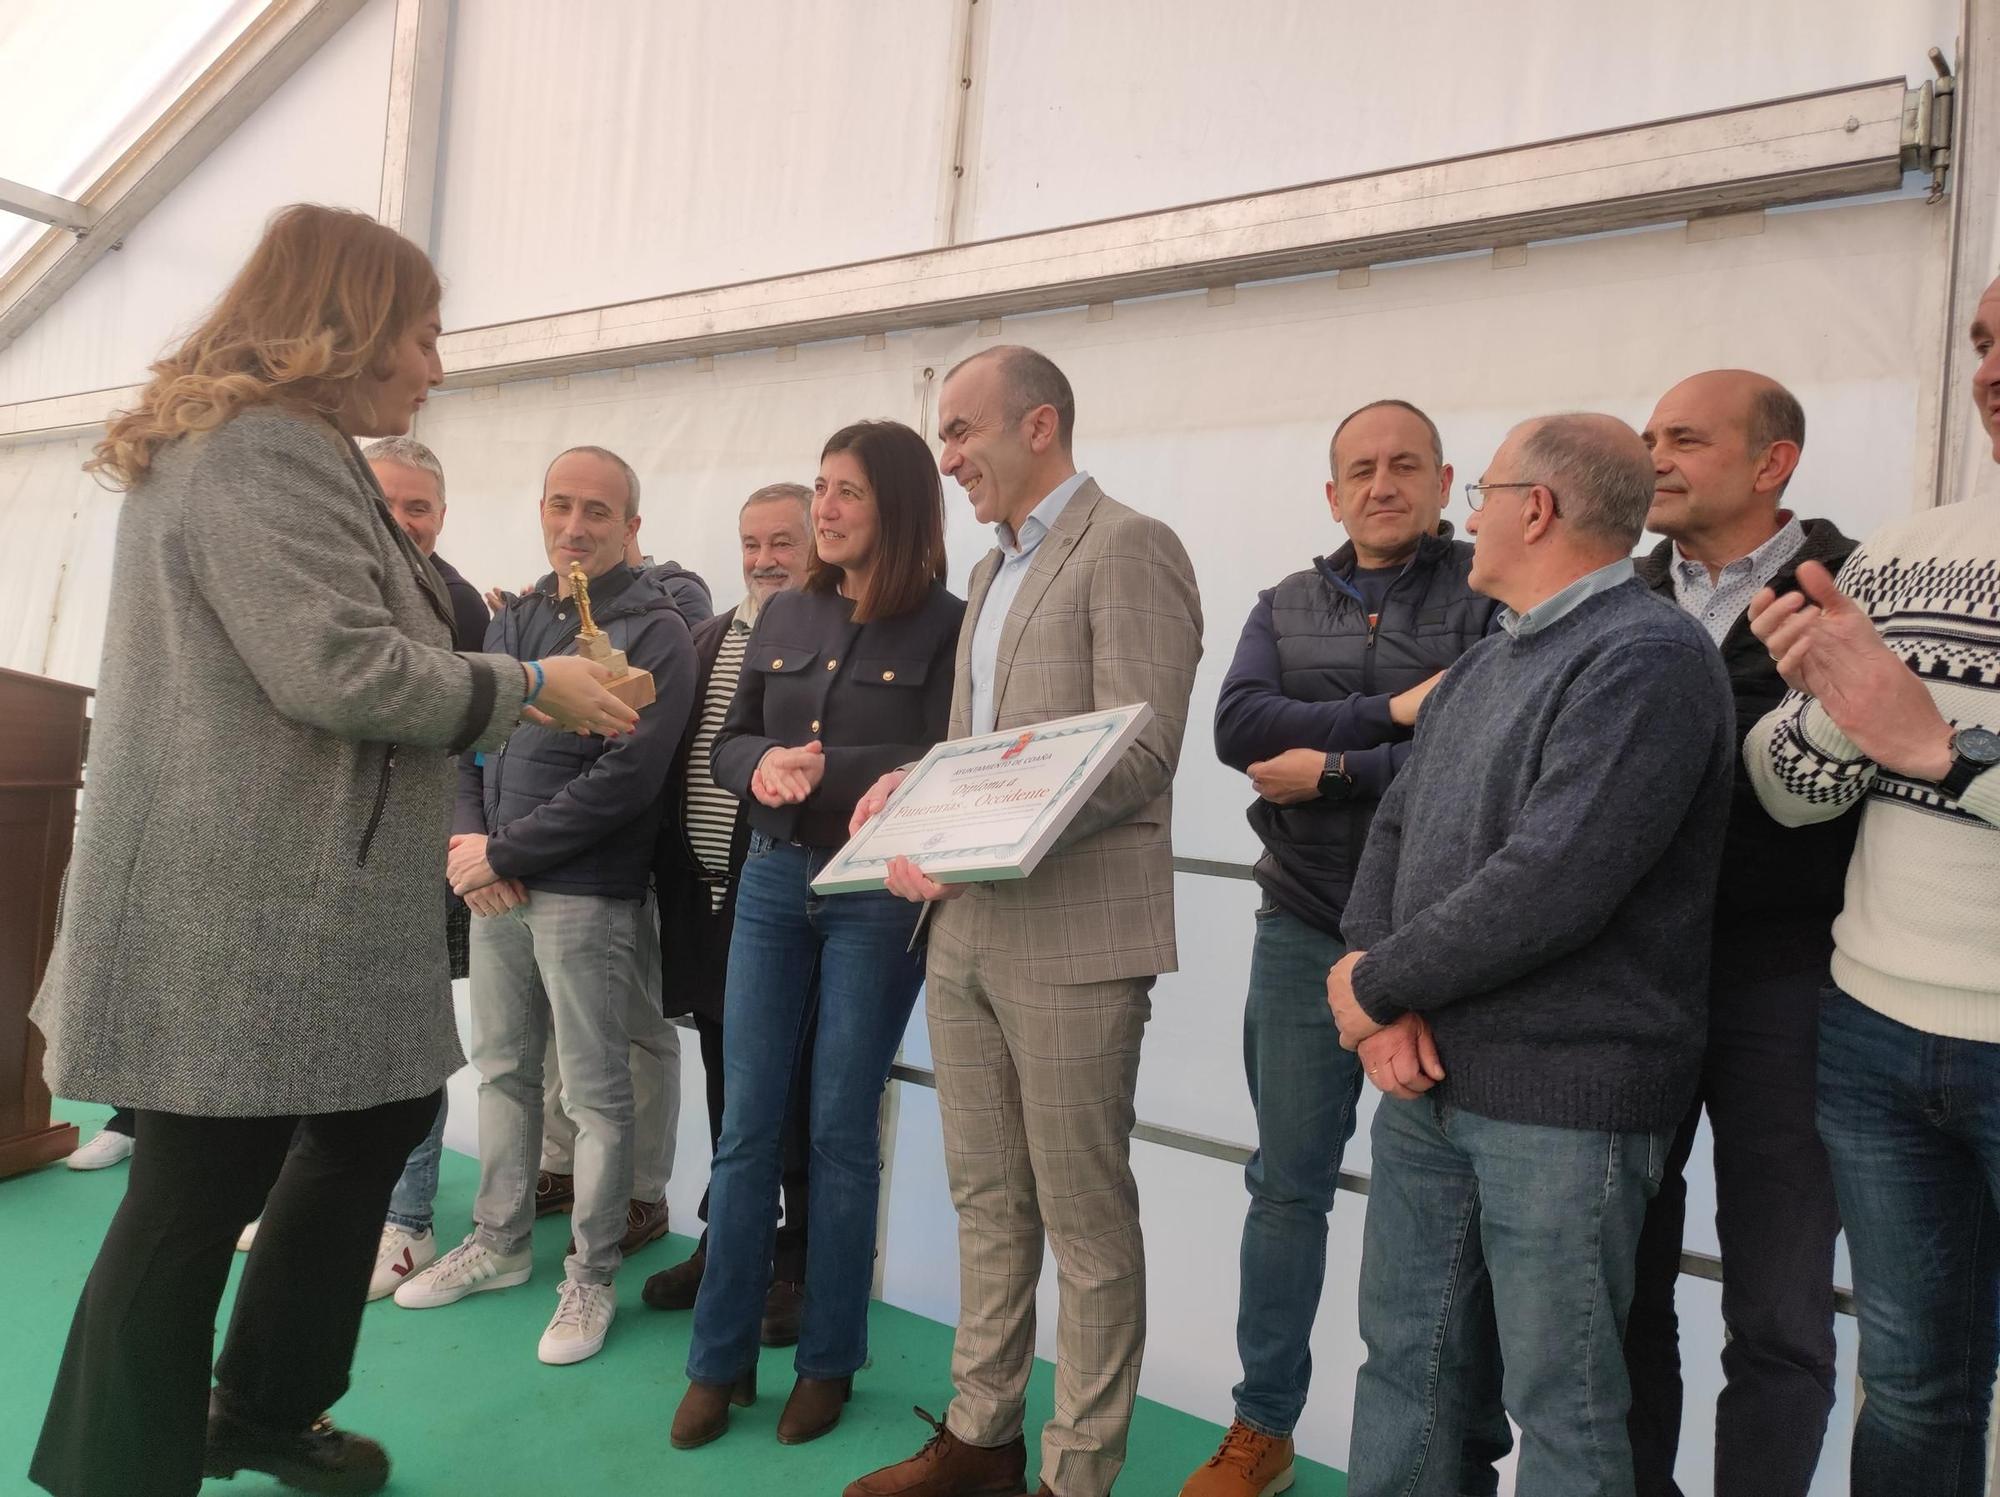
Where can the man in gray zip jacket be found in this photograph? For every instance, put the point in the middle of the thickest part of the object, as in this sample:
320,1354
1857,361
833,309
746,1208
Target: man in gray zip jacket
553,850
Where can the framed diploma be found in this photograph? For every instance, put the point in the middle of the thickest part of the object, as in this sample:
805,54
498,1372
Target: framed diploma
975,810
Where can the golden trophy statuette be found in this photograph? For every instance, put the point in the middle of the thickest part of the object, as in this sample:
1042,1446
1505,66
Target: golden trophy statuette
633,688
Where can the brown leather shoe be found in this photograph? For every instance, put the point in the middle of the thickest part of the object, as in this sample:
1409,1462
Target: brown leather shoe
783,1304
704,1411
1248,1463
553,1192
814,1408
948,1467
676,1288
644,1223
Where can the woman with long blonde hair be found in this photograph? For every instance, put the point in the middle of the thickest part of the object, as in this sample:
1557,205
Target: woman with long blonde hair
250,940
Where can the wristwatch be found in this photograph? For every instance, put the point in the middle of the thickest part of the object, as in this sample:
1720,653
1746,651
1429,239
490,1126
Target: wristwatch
1335,783
1973,752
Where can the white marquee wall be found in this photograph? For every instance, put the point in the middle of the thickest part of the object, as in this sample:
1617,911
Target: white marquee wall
635,150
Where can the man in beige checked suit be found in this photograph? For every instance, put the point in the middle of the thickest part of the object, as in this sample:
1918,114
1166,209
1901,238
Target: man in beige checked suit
1039,990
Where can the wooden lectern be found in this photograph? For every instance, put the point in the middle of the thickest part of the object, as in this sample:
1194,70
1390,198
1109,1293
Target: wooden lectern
42,727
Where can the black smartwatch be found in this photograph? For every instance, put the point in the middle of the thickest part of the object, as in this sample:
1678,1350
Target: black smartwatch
1335,783
1973,752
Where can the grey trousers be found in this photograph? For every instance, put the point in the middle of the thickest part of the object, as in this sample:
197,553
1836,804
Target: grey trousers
576,967
656,1104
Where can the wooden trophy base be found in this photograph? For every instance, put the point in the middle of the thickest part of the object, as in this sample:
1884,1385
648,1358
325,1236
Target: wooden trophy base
27,1151
634,689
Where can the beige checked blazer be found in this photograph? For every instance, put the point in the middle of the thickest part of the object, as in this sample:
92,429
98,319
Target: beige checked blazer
1108,615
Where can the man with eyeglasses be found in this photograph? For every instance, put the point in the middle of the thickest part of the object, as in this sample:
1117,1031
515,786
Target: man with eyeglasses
1725,445
1318,709
1526,977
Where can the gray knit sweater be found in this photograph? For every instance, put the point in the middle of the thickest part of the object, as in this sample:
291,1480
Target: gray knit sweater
253,923
1540,879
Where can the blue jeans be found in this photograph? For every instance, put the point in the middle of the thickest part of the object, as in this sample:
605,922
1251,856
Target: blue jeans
1304,1087
793,949
1494,1245
416,1192
1911,1123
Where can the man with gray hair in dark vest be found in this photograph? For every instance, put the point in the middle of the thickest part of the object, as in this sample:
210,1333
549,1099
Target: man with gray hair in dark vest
1527,980
1318,708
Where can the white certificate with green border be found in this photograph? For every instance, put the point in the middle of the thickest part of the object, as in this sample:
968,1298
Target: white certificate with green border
975,810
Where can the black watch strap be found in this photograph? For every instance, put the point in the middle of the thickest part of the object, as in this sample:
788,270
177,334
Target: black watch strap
1973,752
1335,783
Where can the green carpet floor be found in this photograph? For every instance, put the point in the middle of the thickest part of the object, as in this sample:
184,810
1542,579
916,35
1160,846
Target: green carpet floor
464,1408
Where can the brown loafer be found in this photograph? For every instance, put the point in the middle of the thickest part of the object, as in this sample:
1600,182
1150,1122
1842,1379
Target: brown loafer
948,1467
676,1288
704,1411
644,1223
784,1302
554,1192
814,1408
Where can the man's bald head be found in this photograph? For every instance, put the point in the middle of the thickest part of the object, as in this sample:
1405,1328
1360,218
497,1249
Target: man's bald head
1725,444
1597,467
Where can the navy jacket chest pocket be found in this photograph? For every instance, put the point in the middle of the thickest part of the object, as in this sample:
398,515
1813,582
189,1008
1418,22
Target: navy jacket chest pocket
774,659
890,672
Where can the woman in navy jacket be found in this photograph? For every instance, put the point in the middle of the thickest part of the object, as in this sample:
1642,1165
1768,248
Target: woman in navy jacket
841,682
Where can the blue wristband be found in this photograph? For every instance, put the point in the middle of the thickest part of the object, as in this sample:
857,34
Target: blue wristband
541,680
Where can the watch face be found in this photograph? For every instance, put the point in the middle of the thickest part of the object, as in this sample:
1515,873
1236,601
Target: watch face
1976,744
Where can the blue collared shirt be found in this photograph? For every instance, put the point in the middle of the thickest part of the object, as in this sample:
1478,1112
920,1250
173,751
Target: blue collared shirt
1560,605
1720,600
1017,554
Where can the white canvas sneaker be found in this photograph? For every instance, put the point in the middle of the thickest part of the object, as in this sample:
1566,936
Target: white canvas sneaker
583,1315
469,1268
402,1255
247,1237
106,1149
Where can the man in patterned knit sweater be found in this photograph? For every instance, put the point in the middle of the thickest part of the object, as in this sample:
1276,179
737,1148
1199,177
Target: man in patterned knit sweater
1895,703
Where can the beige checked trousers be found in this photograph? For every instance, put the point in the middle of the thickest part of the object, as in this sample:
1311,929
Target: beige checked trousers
1035,1083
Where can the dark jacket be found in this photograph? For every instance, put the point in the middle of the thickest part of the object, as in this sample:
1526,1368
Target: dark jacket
690,594
469,614
1311,671
694,927
1781,886
875,695
575,815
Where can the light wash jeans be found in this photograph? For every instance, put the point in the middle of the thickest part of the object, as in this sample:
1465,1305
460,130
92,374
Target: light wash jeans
1492,1246
575,966
656,1104
415,1196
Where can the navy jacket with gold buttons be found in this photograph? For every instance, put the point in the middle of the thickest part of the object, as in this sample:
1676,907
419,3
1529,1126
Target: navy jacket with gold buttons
875,695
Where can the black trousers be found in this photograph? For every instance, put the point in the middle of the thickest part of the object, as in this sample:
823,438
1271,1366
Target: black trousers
129,1414
122,1120
1776,1220
789,1255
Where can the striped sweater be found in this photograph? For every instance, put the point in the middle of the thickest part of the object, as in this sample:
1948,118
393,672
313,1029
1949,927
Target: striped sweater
1919,936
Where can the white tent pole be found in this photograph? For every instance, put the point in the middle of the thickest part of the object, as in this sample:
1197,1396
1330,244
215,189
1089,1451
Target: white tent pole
416,110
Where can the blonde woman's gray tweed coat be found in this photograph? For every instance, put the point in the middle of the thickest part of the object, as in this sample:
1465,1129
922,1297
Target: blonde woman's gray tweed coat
254,918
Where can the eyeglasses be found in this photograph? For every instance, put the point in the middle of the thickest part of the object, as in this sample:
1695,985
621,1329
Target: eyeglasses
1475,494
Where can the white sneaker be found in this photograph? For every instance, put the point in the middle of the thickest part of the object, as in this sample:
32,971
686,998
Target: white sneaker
402,1255
246,1237
583,1315
107,1148
469,1268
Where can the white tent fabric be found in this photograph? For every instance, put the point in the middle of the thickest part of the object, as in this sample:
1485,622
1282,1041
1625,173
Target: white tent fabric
624,150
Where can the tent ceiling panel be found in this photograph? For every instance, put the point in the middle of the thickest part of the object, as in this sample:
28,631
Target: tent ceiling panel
128,306
83,82
1076,122
597,153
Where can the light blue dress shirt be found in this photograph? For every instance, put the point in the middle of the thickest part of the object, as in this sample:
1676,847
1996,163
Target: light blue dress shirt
1571,598
1720,600
1017,554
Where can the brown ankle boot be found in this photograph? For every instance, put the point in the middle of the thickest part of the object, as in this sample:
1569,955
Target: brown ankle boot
704,1411
948,1467
813,1409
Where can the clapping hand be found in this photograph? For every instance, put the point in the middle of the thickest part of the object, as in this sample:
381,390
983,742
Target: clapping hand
786,776
1830,650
